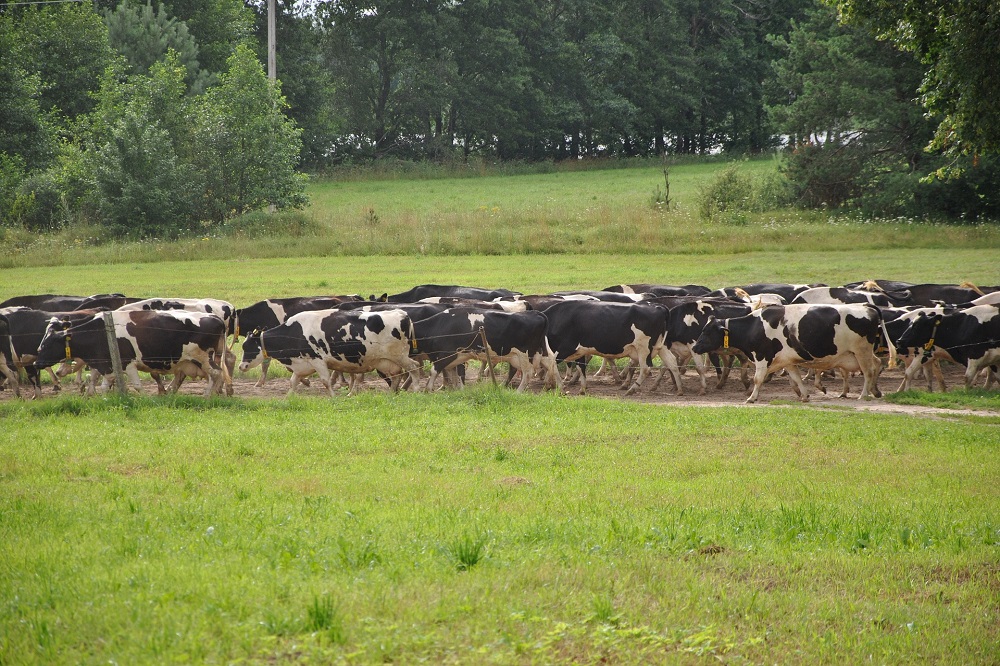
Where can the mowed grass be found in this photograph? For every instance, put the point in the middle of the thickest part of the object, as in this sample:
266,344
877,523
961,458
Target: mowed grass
243,281
489,527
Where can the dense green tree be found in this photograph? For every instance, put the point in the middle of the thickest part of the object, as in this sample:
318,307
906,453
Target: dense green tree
958,43
66,46
25,132
143,35
247,147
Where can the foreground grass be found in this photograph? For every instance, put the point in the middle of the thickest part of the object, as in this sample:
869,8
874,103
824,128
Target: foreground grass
490,527
565,211
953,399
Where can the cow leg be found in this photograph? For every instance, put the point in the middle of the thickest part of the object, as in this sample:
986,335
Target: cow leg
643,373
845,376
133,374
581,371
524,365
56,384
670,365
760,373
263,372
910,372
11,376
795,377
936,370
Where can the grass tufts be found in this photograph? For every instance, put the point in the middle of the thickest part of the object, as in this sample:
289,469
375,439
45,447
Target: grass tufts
468,550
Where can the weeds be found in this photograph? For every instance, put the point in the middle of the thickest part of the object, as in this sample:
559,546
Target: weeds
468,550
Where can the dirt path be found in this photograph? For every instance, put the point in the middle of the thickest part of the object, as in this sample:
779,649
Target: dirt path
778,391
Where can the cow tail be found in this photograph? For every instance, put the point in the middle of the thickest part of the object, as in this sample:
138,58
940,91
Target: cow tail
888,341
221,349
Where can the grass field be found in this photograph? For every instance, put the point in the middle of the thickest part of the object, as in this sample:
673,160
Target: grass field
489,527
486,526
587,211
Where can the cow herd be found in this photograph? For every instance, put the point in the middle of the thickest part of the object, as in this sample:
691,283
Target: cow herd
764,328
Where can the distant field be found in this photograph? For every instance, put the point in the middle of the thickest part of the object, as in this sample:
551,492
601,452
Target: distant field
596,211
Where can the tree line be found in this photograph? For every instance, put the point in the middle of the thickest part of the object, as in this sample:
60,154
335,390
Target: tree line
157,116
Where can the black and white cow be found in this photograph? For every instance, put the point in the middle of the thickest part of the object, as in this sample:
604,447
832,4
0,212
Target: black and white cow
820,337
349,341
660,289
224,310
272,312
897,320
423,291
159,342
452,338
844,296
27,328
580,329
969,337
685,322
606,296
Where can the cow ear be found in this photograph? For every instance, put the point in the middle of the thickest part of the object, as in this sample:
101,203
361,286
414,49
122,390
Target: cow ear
384,297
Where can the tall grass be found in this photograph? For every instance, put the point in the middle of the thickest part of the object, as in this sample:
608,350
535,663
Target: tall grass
554,209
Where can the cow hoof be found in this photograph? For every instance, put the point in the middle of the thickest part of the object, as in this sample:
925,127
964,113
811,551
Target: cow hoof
56,388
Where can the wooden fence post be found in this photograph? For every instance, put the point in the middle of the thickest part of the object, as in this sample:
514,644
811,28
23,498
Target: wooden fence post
489,359
116,357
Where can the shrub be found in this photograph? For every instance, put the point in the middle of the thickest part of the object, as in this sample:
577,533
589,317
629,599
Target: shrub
732,194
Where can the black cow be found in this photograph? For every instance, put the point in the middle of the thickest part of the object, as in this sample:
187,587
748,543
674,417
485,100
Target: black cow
580,329
159,342
970,337
820,337
272,312
7,367
58,303
324,341
423,291
452,338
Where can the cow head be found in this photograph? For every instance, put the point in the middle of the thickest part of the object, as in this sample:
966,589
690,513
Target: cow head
920,332
252,350
712,337
56,344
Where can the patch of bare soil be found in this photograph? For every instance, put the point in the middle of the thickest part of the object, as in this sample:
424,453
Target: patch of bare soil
776,391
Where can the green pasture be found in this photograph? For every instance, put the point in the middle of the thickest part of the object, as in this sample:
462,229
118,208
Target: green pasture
570,210
246,280
489,527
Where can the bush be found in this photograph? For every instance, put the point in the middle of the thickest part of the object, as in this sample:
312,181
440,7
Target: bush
732,194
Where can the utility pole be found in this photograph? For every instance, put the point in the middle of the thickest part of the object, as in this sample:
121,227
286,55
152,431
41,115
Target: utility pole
272,63
272,60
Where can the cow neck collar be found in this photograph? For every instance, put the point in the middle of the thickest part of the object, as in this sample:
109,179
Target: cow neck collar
930,343
263,352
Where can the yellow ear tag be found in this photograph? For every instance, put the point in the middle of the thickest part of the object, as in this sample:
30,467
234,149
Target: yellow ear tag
725,340
413,342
